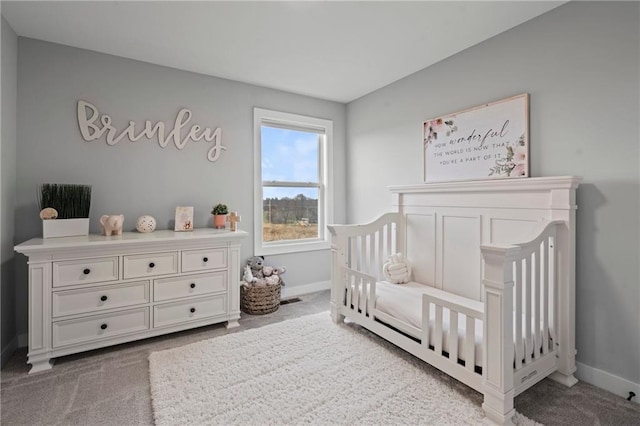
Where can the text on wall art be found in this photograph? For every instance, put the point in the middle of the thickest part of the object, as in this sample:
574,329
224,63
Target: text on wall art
94,125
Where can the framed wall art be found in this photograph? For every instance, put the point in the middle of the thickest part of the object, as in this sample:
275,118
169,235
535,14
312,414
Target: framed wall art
184,218
490,141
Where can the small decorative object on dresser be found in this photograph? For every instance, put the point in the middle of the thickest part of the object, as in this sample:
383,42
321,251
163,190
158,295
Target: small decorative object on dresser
184,219
48,213
69,205
146,224
219,213
112,224
233,219
87,293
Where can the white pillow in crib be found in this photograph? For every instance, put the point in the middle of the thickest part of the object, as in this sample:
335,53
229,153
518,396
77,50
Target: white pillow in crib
397,270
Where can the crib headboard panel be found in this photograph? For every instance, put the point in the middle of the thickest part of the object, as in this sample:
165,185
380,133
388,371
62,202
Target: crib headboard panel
445,224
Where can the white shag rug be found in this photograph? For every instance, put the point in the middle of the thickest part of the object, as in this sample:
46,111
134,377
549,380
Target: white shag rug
302,371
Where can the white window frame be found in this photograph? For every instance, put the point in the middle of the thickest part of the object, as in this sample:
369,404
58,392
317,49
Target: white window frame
325,189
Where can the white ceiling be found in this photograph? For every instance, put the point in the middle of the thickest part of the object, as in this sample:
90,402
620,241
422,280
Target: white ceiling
330,50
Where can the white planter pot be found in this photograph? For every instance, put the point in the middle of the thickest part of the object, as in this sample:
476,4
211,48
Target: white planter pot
65,227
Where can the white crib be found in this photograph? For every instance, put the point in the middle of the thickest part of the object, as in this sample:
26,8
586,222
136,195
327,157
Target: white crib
492,260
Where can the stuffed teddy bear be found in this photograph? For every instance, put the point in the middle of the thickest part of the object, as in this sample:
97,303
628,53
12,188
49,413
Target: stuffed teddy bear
259,275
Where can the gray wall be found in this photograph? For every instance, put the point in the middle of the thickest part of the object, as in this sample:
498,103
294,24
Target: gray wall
580,65
8,188
141,178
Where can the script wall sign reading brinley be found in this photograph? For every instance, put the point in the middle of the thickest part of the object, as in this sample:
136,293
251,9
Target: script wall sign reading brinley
486,142
93,126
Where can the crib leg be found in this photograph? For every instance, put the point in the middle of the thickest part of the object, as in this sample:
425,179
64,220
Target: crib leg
565,379
336,317
498,407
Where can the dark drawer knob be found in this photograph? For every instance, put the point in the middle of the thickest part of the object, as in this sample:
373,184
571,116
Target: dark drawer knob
151,265
104,298
192,310
86,271
205,259
192,285
103,326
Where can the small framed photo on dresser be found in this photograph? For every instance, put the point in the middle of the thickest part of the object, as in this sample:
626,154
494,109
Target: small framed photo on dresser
184,218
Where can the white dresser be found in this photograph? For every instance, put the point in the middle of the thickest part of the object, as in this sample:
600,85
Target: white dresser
94,291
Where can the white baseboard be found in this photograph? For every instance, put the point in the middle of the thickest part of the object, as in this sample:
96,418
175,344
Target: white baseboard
9,350
298,290
23,340
607,381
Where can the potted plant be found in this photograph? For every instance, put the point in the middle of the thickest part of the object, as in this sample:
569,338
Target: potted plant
219,213
69,205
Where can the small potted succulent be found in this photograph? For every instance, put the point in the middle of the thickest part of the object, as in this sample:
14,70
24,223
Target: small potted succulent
219,213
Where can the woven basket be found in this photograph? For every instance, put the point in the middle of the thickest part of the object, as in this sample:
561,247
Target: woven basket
260,300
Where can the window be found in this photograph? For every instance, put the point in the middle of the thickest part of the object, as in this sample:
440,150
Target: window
293,185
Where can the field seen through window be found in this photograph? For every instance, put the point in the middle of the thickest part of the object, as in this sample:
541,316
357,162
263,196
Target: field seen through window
282,231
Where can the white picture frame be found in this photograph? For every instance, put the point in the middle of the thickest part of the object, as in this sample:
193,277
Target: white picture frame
184,219
489,141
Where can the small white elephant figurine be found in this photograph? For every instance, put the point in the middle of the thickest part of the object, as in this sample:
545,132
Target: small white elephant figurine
112,224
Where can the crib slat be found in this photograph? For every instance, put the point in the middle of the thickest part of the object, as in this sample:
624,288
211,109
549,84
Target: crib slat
380,252
353,258
394,229
518,313
365,296
382,243
453,336
426,318
359,294
356,295
362,296
527,316
363,254
553,290
536,312
372,254
470,344
437,344
545,297
350,284
376,259
371,299
388,228
354,253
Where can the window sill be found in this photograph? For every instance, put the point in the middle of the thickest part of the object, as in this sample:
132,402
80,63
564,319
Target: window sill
291,248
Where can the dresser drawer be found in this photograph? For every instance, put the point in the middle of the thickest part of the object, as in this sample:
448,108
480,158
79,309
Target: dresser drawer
70,302
85,271
149,265
194,285
88,329
202,260
189,310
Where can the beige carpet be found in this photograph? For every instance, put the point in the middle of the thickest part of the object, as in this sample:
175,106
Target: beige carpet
110,386
301,371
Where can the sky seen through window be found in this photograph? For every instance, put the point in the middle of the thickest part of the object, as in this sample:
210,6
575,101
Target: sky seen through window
289,156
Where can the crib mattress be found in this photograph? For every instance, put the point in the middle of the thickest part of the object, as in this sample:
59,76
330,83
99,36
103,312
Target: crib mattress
404,303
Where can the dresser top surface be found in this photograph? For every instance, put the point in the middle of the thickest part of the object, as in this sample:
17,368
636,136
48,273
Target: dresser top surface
97,240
